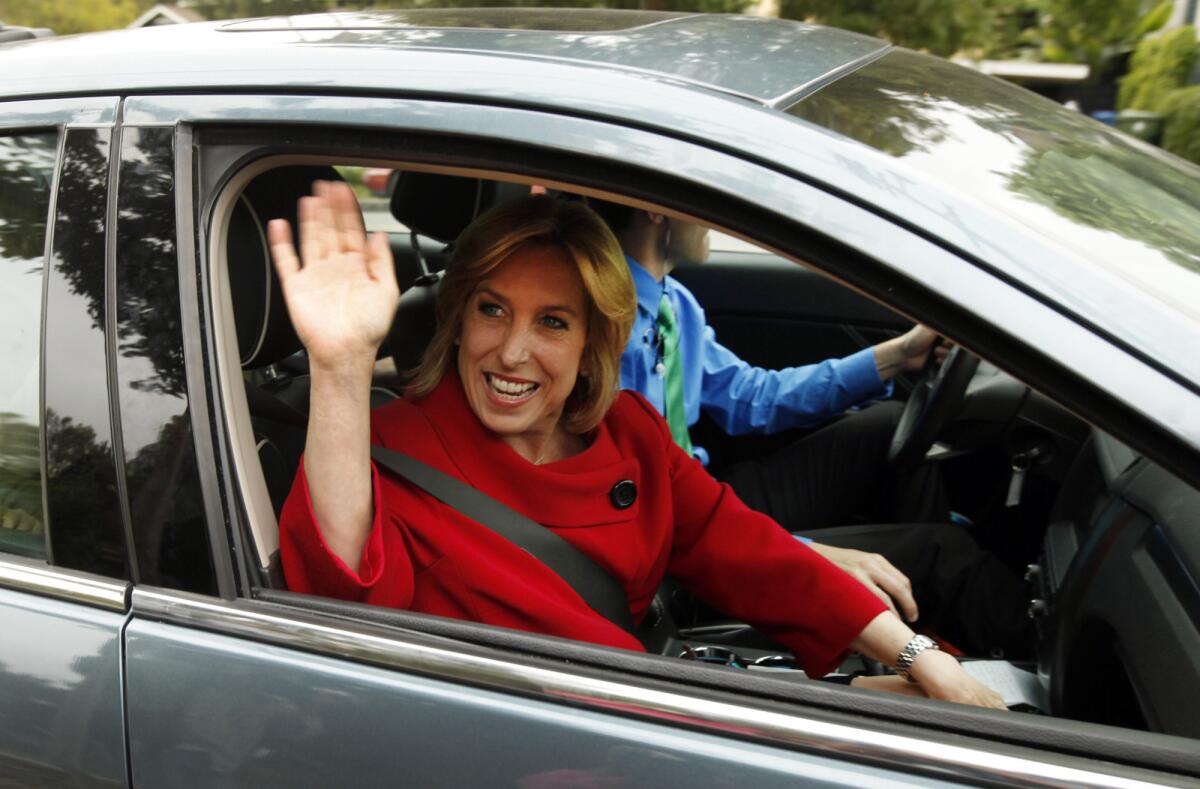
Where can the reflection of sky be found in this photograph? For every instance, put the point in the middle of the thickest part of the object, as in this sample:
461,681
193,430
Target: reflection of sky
75,339
143,413
982,162
20,336
47,647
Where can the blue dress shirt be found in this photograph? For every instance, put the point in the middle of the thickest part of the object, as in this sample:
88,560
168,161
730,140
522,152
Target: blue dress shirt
740,397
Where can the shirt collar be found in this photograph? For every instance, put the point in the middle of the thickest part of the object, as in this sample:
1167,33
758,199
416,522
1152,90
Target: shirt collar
649,290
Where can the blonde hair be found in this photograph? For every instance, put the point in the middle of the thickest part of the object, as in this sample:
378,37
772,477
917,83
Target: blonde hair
608,289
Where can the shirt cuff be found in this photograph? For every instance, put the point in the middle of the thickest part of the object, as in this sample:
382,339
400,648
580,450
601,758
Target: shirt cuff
861,376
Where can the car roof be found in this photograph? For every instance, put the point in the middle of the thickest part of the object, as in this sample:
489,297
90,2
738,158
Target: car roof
771,62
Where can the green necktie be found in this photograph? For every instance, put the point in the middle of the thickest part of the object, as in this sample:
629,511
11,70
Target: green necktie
672,372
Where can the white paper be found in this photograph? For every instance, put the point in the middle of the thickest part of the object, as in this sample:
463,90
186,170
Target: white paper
1015,685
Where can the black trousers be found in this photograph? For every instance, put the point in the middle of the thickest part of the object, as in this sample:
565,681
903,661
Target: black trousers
838,475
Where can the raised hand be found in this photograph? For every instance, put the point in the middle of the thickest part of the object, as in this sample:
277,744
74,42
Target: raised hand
341,291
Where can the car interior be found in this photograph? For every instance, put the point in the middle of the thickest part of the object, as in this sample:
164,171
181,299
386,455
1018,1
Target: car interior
1109,541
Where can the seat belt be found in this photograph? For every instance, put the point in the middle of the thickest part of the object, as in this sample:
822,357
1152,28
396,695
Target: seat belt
597,588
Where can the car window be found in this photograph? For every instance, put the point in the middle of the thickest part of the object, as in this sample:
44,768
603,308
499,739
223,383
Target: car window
84,514
26,175
373,187
166,512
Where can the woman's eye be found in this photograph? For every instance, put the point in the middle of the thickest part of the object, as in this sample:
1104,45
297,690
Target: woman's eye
551,322
489,309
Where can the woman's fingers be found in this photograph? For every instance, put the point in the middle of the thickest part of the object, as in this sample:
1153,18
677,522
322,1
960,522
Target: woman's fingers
325,224
380,265
279,236
898,586
347,217
312,244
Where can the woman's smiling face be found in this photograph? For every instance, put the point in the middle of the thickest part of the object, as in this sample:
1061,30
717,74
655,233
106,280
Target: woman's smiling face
523,334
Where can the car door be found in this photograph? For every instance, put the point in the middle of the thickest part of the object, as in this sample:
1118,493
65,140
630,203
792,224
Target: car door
242,682
63,570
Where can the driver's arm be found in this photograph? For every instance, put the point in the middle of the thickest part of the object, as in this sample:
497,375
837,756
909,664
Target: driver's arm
742,398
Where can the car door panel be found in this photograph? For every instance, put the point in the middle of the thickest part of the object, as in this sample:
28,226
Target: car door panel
60,681
206,708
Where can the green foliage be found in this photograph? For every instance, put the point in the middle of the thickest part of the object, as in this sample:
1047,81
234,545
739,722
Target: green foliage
1159,66
939,26
238,9
1181,135
704,6
72,16
1010,30
1091,31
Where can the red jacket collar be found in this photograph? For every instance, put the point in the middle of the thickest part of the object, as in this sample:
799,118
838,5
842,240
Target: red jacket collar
572,492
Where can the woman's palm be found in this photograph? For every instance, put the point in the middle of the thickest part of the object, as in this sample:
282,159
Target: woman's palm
341,291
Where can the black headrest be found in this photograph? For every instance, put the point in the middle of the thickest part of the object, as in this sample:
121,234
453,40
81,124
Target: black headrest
414,324
440,206
264,331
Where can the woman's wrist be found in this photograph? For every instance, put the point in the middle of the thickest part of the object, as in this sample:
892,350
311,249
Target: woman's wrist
934,667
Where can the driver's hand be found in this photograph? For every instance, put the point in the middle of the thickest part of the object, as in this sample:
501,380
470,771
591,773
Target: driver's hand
877,574
908,352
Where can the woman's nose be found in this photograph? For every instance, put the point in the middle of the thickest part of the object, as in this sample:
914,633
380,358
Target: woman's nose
515,350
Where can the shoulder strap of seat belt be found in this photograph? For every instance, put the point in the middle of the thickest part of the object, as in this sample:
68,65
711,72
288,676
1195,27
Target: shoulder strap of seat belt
597,588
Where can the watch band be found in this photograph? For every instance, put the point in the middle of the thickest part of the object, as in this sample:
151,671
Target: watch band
914,647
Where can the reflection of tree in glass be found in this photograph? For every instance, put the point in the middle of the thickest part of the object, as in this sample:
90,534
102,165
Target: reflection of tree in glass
896,113
148,317
79,222
26,170
81,494
1106,188
20,475
167,513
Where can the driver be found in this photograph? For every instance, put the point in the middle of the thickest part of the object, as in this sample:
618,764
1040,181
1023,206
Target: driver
834,475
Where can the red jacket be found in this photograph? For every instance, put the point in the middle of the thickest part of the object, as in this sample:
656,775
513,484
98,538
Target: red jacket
425,556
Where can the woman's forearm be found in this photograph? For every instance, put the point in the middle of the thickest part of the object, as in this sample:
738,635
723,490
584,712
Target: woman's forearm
939,674
337,456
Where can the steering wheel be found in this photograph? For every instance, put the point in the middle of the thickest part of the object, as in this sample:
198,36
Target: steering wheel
933,401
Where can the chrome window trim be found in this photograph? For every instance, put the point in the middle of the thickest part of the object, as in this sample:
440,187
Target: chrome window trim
27,575
440,659
91,112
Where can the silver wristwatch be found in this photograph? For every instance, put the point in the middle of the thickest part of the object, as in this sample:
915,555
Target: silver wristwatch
916,646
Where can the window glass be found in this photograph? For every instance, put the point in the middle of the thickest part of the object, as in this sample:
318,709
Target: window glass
1050,169
87,530
373,187
166,511
26,175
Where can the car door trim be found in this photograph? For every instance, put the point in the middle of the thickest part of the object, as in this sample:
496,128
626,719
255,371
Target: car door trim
440,659
26,575
89,112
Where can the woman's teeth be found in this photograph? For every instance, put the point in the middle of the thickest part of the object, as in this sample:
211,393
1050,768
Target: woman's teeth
510,389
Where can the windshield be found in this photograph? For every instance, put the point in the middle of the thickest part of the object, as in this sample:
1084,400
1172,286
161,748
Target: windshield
1124,205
